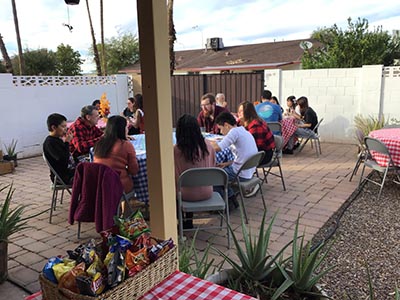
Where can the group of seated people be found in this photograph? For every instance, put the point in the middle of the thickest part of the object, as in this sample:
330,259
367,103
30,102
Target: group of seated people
247,132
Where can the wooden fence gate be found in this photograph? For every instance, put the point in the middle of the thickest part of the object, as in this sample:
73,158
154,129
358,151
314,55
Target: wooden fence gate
187,90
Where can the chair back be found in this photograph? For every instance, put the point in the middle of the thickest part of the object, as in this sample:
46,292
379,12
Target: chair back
376,145
278,143
203,177
316,126
252,161
275,126
57,178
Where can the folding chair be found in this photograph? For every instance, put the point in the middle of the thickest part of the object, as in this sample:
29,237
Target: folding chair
250,184
58,184
97,194
197,177
275,127
375,145
362,154
314,138
274,162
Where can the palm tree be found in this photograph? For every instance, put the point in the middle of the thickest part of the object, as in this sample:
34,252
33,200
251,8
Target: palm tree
103,50
21,61
171,36
6,58
95,50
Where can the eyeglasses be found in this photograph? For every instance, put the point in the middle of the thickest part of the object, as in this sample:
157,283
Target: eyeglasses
203,105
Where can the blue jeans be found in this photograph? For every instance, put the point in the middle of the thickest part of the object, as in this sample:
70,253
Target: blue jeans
300,132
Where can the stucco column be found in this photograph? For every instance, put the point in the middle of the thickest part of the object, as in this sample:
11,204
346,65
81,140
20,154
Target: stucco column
156,86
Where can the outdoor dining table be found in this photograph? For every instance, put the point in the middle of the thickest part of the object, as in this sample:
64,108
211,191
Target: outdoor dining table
289,127
140,180
391,138
180,285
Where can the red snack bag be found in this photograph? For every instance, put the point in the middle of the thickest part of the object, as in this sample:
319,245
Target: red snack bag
68,280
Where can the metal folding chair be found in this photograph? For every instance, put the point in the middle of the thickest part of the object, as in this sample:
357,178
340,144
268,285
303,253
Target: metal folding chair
314,138
362,154
57,185
250,184
274,162
375,145
275,127
197,177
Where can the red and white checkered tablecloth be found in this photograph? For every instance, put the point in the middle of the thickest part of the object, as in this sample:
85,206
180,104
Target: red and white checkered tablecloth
181,286
288,129
391,138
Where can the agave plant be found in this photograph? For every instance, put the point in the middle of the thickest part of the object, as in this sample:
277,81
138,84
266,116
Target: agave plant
368,124
256,265
304,263
10,148
192,263
11,220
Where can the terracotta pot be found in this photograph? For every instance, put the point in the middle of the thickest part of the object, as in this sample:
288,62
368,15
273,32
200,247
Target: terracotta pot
3,261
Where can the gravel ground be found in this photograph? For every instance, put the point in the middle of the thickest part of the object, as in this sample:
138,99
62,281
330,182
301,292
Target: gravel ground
368,235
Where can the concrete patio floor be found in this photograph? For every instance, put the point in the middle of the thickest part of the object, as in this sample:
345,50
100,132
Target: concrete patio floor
316,188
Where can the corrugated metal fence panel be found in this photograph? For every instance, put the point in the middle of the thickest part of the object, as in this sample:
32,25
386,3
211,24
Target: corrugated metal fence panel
237,87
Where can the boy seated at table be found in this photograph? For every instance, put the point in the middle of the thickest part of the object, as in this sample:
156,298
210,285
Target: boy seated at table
56,148
244,147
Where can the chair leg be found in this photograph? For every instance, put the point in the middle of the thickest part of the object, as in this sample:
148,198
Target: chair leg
228,233
361,177
262,197
53,204
180,224
79,230
382,184
302,145
242,207
62,196
358,163
283,181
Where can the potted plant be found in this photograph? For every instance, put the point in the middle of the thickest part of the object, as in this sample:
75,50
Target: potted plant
11,221
258,273
11,152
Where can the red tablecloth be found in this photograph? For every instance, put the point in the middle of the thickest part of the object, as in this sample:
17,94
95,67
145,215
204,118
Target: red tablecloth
391,138
181,286
288,129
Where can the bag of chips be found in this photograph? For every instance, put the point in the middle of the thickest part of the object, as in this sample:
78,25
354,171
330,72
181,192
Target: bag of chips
48,271
133,226
68,280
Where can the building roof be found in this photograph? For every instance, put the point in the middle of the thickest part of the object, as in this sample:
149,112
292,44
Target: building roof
253,56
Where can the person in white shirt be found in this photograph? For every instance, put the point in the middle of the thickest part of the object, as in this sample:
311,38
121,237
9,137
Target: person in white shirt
242,144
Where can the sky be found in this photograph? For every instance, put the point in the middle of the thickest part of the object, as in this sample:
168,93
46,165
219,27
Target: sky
237,22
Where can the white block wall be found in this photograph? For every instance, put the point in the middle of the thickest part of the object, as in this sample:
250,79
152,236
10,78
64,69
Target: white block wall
24,108
337,95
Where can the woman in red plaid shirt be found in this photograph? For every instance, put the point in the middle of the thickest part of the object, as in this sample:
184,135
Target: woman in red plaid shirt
258,128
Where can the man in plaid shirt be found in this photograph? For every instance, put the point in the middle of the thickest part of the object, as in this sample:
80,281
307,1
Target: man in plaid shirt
85,132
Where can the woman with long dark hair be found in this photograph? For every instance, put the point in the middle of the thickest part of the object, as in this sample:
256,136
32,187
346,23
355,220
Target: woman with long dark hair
134,114
258,128
192,151
115,151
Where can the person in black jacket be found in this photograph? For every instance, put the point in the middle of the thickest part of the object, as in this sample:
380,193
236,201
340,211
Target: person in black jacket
56,148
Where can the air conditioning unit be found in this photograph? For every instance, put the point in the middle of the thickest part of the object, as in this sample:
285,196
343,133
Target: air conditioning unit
215,44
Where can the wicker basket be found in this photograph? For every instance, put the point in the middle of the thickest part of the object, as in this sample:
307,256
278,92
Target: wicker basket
132,288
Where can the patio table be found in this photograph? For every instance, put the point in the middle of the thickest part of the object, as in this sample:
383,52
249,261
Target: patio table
391,138
289,127
180,285
140,181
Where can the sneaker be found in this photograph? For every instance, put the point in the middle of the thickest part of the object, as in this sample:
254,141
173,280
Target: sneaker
297,145
287,151
253,192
